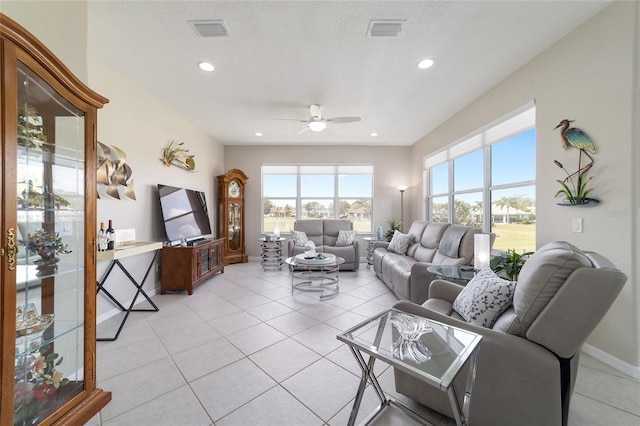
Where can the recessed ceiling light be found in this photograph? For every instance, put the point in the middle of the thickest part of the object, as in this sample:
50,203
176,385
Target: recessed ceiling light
374,134
425,63
206,66
258,133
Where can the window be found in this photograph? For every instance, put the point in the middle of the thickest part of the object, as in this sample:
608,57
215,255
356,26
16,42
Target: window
493,167
299,192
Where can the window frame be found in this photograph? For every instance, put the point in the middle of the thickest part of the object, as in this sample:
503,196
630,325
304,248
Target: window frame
301,169
516,122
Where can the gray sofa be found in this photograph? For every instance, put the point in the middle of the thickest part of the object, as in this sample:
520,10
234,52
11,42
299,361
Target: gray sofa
528,361
324,234
433,243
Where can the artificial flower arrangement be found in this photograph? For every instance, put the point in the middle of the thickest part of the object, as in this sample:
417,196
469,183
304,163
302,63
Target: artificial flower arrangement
36,380
46,244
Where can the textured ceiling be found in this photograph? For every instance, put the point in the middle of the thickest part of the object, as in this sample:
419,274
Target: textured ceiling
283,56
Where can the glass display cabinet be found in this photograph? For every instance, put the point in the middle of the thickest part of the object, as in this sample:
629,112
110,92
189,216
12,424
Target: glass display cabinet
48,372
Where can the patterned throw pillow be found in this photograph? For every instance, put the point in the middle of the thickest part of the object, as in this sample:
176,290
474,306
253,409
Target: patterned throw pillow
299,238
345,238
484,298
400,242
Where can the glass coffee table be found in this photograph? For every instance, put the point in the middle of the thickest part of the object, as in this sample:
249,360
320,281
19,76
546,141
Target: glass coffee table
315,277
428,350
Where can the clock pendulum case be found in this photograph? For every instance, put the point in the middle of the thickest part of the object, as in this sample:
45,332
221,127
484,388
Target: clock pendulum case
231,186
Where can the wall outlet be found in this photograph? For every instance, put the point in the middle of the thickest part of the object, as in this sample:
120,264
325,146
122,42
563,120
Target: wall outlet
576,224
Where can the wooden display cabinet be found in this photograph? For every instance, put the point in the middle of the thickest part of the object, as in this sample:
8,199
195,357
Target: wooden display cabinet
186,267
48,237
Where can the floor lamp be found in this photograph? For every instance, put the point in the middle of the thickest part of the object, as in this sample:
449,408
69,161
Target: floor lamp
402,188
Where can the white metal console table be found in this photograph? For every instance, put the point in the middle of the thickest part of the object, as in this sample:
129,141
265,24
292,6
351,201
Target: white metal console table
114,256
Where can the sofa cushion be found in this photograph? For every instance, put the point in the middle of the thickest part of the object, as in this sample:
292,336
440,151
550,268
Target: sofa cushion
416,230
345,238
332,227
484,298
450,242
429,241
299,238
400,242
540,279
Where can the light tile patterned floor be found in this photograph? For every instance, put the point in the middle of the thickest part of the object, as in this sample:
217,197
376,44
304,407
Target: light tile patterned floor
242,350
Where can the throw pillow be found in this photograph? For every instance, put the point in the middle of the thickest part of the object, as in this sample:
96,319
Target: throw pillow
400,242
299,238
484,298
345,238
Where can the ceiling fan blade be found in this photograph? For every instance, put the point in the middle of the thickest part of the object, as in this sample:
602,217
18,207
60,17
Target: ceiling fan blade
301,131
340,120
291,119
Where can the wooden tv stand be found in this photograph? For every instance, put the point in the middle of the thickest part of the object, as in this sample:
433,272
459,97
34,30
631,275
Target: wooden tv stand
185,267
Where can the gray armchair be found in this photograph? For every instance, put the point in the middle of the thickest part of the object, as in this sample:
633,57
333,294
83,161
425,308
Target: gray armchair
527,363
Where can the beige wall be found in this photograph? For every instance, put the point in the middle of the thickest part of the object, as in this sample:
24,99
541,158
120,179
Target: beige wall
44,19
587,77
142,126
390,170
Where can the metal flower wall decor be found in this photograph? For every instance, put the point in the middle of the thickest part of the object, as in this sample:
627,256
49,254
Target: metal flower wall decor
114,172
574,187
175,155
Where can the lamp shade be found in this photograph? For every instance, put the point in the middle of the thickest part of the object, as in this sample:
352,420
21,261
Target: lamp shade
481,251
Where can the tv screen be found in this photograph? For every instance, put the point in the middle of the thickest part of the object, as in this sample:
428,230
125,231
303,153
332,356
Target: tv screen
184,212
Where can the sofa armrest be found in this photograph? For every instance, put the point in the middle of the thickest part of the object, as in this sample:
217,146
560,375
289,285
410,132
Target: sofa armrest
445,290
290,245
383,244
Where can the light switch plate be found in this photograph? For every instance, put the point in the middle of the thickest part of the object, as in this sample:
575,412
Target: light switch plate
576,224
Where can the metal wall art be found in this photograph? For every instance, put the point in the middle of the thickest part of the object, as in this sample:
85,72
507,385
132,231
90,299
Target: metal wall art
175,155
113,172
574,187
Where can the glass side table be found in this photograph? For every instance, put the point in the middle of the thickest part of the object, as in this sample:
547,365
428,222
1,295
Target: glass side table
370,241
272,258
428,350
463,273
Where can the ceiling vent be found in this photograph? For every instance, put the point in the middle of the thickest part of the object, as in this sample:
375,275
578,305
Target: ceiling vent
385,27
209,29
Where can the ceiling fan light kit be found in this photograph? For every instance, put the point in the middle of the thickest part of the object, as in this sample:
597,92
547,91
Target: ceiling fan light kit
317,126
316,123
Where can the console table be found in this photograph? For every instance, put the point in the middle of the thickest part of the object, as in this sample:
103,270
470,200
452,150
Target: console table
114,257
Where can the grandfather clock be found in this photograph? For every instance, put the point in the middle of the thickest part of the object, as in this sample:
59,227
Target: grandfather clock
231,215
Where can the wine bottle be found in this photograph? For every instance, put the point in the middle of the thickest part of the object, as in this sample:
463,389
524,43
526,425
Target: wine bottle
101,235
111,235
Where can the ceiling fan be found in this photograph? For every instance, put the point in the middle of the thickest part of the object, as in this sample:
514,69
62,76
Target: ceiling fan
317,123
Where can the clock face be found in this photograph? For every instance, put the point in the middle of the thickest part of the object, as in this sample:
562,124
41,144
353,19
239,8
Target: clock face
234,189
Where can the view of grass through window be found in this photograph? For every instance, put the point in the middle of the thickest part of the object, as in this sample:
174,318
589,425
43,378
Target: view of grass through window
495,167
302,192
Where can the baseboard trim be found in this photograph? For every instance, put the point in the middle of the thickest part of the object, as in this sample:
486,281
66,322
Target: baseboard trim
624,367
115,311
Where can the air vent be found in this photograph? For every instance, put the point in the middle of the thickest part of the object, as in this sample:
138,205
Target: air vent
210,28
385,27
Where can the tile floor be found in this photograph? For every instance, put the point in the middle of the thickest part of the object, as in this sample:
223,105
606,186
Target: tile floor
242,350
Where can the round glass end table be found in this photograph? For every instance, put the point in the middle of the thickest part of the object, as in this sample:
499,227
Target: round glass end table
463,273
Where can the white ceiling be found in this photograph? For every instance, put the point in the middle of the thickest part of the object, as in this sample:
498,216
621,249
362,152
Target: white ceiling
283,56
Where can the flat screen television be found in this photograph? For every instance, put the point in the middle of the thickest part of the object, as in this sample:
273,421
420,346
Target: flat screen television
185,214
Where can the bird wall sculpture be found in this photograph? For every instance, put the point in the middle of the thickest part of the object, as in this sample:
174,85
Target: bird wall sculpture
576,192
576,138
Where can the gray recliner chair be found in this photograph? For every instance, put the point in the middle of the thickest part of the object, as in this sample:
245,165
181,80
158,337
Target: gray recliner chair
527,363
